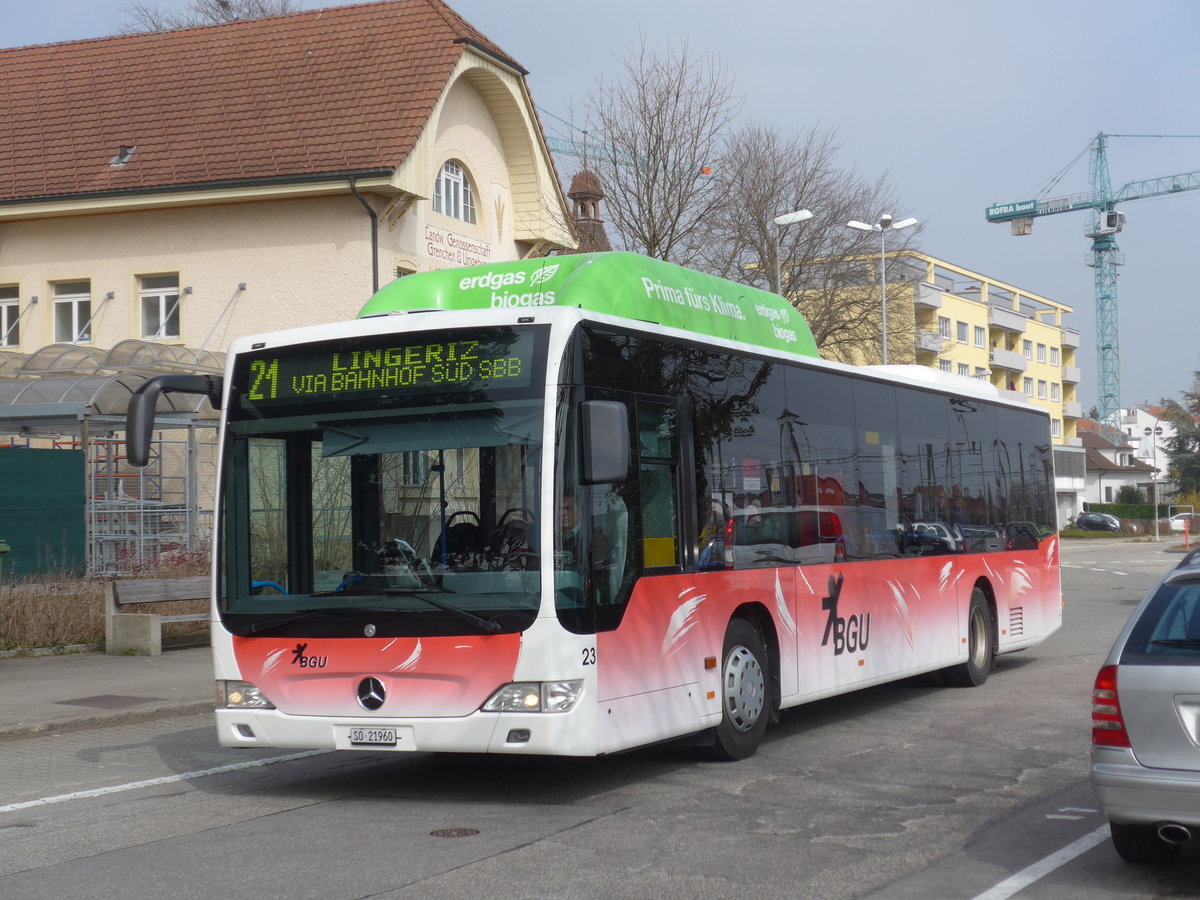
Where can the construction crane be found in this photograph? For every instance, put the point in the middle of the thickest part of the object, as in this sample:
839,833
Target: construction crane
1106,223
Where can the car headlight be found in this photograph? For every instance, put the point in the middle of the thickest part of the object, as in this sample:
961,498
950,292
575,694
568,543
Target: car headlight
535,696
241,695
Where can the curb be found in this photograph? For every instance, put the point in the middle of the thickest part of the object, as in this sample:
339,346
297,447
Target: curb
66,650
106,720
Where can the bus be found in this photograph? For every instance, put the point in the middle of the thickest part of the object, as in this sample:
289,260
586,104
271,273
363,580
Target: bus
579,504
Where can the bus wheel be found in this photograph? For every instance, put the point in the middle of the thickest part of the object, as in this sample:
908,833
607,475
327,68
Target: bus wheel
980,640
744,680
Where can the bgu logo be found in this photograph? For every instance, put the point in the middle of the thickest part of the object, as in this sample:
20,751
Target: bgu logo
848,634
308,662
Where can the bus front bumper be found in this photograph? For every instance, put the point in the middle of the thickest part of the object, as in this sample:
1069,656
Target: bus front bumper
557,734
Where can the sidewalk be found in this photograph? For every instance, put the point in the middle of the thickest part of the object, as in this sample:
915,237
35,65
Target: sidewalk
87,690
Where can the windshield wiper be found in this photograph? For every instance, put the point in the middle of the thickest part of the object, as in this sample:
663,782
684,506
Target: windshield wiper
1185,643
491,626
326,612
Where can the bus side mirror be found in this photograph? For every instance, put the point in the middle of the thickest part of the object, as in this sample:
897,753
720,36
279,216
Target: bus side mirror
139,415
604,430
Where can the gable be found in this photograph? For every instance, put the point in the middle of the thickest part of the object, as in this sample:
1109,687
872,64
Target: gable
320,94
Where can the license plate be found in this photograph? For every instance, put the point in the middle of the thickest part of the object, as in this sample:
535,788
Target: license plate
372,737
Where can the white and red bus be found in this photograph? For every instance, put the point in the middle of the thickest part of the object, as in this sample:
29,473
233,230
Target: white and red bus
398,565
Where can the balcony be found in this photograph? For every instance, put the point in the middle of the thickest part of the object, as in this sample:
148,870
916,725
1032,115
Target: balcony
1008,359
1070,375
930,342
928,296
1072,410
1070,339
999,317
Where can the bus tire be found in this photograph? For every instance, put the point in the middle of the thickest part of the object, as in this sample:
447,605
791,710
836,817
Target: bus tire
744,693
981,637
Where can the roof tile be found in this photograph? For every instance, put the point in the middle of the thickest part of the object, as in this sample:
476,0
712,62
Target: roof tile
309,93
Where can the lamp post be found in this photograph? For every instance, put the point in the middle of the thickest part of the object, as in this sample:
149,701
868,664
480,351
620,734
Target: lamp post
885,222
783,222
1153,434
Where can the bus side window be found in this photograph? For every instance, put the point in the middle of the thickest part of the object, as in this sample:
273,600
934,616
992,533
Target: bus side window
658,453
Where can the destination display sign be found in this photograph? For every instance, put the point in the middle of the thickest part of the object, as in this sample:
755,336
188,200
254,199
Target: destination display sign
389,367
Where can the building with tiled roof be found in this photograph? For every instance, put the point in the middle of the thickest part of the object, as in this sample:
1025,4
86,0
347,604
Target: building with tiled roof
165,193
281,166
1112,464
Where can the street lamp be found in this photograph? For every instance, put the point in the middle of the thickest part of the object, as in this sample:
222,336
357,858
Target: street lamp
1153,434
885,222
783,222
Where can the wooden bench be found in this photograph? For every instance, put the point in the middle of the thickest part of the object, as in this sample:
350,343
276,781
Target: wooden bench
141,633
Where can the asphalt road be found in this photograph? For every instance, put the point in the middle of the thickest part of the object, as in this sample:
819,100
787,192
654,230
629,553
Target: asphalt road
906,791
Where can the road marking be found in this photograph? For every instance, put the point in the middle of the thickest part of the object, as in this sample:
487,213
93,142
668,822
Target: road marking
152,782
1045,866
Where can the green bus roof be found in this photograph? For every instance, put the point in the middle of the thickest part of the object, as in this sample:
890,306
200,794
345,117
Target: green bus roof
620,284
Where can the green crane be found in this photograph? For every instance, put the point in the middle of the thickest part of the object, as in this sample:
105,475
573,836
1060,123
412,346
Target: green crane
1107,222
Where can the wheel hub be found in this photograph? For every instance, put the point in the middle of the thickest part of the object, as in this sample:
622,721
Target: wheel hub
744,688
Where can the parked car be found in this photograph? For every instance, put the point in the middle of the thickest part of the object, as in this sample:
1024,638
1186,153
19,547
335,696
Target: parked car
1184,518
936,537
1094,521
783,535
1146,722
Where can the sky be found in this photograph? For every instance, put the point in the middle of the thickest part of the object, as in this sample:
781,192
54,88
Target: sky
961,104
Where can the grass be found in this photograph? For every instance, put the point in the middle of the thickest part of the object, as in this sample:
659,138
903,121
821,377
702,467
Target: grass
60,609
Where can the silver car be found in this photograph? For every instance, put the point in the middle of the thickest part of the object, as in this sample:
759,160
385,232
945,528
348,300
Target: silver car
1146,722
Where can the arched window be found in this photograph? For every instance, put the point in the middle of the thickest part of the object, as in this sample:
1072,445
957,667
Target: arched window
452,195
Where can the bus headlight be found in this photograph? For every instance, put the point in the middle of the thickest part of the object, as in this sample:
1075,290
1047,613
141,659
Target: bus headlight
535,696
241,695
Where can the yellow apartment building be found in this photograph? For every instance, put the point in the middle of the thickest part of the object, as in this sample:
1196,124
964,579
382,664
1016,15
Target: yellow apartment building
963,322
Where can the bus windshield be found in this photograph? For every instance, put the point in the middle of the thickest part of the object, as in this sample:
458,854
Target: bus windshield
391,516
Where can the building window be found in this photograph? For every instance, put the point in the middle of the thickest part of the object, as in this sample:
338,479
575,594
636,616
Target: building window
981,373
1041,353
414,468
72,312
1055,428
1054,356
944,365
1055,392
1028,387
964,369
980,337
962,332
160,306
10,315
452,195
1027,349
1041,390
944,327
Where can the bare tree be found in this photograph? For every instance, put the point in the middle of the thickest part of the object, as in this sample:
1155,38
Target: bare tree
660,124
150,16
828,271
763,173
836,285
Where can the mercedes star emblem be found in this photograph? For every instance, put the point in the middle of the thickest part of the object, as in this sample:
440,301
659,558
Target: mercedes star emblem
371,694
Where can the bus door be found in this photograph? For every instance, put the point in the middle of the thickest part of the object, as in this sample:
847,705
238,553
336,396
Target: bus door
663,526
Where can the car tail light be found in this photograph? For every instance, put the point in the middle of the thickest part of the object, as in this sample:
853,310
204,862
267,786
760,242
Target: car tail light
1108,727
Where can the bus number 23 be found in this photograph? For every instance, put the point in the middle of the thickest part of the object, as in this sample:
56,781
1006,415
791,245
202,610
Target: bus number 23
589,656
